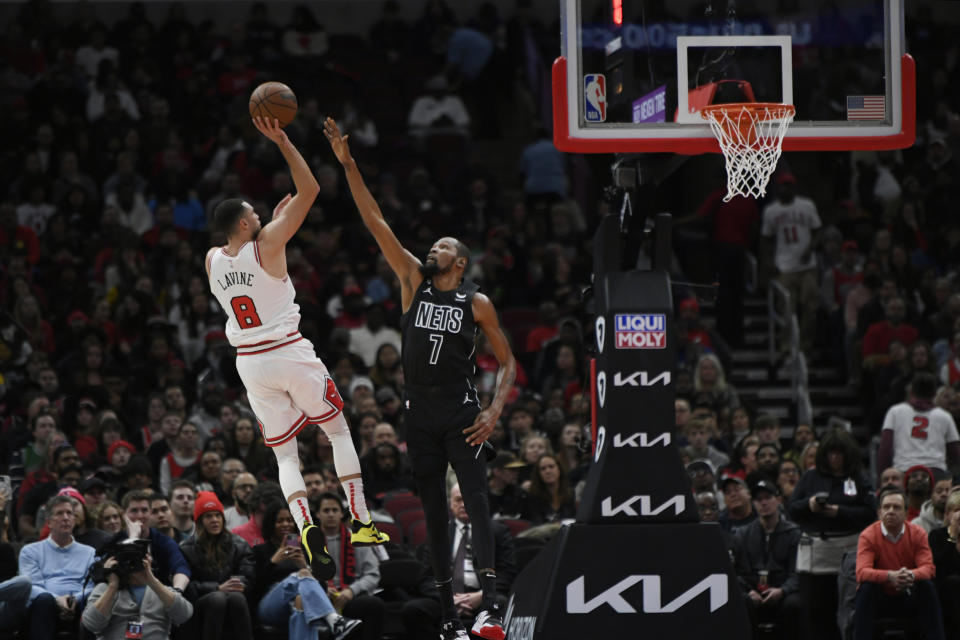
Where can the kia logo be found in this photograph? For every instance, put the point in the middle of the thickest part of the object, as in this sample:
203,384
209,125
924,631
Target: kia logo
715,584
640,379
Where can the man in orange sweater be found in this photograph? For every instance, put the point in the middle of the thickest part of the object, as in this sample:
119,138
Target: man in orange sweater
895,571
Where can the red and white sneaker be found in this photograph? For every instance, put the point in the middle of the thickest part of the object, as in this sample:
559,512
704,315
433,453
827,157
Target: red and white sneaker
489,625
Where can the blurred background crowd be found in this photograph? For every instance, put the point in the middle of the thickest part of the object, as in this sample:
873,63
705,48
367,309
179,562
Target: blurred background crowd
126,124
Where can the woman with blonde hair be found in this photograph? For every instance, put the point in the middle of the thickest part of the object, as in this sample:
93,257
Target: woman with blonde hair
711,388
110,517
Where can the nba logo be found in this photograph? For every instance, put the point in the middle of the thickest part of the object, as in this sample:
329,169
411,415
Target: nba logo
595,97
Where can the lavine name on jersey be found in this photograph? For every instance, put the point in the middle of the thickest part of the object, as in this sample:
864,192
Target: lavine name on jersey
438,317
231,278
640,330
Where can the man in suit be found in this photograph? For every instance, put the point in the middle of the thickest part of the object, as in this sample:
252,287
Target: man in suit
467,595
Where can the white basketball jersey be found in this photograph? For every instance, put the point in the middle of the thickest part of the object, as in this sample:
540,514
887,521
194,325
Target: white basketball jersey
259,307
920,437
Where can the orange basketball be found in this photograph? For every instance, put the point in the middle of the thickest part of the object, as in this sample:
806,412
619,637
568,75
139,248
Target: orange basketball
274,100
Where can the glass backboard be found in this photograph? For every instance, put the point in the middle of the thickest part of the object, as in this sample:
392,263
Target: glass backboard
634,74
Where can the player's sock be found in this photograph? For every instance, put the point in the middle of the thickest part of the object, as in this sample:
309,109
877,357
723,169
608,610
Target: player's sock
291,482
300,510
358,506
348,464
488,583
448,609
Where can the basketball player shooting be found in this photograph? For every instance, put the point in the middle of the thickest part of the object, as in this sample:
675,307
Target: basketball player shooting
445,423
288,386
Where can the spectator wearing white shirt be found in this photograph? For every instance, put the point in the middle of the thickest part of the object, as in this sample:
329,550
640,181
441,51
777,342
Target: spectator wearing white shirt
107,84
917,432
366,340
239,513
438,111
89,55
792,222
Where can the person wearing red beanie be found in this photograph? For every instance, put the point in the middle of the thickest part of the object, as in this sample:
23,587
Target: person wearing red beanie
126,451
222,569
206,501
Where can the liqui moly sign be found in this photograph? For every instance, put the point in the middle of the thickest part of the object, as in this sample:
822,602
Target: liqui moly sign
640,331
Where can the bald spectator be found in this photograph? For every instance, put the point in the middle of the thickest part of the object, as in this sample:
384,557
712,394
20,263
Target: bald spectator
240,490
891,477
260,498
384,432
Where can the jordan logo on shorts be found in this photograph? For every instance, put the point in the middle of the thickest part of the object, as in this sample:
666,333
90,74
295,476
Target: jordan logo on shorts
427,291
466,397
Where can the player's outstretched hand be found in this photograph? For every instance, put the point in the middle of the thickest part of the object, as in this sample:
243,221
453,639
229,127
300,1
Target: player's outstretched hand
271,129
481,428
337,142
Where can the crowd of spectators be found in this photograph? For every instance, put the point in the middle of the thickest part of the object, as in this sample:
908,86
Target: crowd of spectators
124,418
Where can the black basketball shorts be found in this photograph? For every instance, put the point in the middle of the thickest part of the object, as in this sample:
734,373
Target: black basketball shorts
435,418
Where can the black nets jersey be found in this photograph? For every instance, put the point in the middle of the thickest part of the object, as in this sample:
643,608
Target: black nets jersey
439,336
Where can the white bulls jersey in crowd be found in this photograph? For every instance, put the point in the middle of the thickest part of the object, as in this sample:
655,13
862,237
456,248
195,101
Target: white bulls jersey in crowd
259,307
792,225
920,437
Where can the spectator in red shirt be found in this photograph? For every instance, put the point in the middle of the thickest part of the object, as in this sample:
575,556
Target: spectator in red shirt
734,227
16,237
260,498
895,572
238,77
880,334
547,327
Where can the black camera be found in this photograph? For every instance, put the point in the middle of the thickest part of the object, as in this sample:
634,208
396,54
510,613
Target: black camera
129,554
821,497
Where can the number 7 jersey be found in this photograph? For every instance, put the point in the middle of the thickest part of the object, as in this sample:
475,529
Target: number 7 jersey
439,336
259,307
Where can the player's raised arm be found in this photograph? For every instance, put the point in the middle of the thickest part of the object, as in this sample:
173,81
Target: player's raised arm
486,318
290,213
403,263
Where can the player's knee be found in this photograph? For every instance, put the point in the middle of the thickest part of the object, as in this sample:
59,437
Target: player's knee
336,426
287,453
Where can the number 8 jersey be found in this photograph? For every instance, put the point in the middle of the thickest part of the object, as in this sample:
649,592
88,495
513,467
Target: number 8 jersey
259,307
439,336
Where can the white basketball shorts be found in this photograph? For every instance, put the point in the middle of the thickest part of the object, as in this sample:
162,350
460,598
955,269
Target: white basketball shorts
288,387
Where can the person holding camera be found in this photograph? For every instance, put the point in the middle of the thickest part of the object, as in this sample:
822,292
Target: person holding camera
222,573
171,567
832,503
129,601
55,567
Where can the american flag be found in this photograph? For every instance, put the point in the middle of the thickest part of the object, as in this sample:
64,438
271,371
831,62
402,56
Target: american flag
866,108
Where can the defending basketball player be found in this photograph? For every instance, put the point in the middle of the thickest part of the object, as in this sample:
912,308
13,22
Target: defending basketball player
445,423
287,385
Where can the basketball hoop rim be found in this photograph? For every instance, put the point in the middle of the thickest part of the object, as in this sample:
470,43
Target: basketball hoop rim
764,111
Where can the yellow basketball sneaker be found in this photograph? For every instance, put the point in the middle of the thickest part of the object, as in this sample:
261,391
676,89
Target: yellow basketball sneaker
314,542
366,535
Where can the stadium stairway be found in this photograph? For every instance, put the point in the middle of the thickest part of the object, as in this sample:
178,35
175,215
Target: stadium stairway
766,389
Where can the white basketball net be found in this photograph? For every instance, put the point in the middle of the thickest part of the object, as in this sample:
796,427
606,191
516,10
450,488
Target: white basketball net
751,138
